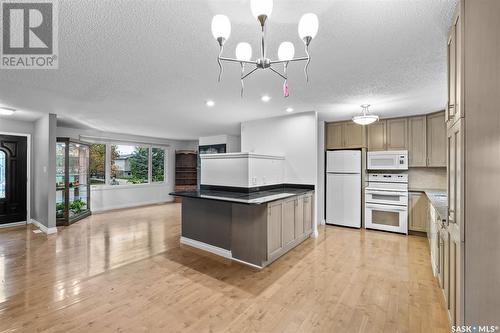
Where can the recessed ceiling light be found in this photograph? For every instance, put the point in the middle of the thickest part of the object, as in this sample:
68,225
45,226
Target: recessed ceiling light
289,109
209,103
265,98
7,111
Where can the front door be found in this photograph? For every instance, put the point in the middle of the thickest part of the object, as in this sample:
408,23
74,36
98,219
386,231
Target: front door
13,179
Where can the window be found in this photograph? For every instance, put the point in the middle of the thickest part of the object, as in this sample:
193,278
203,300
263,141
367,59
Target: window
129,164
2,174
158,165
97,164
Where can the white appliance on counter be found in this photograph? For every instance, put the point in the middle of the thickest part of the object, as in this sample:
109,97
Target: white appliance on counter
245,170
343,188
386,202
387,160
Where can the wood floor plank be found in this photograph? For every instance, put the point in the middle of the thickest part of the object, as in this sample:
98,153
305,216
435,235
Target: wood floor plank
126,271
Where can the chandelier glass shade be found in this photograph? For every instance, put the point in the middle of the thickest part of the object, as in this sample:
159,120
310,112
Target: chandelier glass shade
221,27
365,118
261,10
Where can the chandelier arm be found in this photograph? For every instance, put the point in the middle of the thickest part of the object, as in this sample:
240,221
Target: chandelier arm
275,71
307,63
236,60
291,60
221,69
249,73
241,79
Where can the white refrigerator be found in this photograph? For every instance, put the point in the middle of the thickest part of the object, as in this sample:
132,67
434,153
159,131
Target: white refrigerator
343,188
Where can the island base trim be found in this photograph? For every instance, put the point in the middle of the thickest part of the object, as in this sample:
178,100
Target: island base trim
207,247
215,250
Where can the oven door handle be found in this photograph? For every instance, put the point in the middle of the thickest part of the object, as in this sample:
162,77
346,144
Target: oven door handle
400,194
387,207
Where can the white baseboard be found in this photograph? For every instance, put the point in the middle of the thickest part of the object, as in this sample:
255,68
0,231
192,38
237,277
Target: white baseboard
125,206
43,228
14,224
207,247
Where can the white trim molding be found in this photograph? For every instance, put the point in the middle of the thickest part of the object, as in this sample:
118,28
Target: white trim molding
43,228
207,247
13,224
215,250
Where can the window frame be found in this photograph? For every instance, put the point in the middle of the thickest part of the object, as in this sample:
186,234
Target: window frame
150,146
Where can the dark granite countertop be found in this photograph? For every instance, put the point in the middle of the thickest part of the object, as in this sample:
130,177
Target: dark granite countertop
252,198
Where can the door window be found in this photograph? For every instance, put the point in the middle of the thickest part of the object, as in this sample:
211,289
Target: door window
2,174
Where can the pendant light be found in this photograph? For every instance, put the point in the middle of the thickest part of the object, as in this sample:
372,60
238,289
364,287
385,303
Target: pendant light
365,119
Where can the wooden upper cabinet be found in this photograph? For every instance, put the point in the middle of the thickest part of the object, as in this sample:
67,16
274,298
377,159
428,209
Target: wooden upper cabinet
354,135
396,134
334,135
452,83
455,109
417,141
436,140
377,135
346,134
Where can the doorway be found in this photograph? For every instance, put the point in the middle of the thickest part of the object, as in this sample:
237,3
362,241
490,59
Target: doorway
13,179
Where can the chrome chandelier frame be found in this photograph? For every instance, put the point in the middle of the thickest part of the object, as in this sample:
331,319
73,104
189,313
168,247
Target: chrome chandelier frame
263,62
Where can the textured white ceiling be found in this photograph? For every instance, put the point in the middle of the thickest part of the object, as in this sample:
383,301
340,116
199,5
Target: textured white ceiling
147,67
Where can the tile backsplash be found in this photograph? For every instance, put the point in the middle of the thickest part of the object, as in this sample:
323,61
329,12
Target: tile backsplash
427,178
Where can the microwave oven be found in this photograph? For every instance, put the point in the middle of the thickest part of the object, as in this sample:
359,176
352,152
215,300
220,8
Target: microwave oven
387,160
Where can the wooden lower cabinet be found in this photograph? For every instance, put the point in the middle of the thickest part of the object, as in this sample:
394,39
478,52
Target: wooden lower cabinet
418,212
289,222
308,213
274,228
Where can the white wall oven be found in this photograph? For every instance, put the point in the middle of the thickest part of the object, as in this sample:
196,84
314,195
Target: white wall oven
386,202
387,160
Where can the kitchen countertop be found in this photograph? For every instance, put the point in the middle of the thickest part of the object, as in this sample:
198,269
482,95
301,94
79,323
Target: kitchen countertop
252,198
438,199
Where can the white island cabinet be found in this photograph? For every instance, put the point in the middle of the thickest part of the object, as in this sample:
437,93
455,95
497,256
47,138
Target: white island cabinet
245,170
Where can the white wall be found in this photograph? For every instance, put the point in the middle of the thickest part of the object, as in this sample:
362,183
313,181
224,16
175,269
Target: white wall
293,136
43,207
113,197
232,142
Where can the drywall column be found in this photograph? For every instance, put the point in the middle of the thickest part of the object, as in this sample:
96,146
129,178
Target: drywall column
320,191
482,162
44,174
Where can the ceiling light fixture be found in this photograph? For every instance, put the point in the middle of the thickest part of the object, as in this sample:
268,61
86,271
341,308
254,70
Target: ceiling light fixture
365,118
4,111
209,103
289,109
261,10
265,98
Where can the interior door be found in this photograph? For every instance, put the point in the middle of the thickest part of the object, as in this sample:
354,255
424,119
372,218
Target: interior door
13,179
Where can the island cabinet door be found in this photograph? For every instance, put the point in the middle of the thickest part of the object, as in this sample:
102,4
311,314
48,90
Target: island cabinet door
289,221
274,229
299,216
308,213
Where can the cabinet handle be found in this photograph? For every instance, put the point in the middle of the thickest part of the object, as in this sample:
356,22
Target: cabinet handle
451,106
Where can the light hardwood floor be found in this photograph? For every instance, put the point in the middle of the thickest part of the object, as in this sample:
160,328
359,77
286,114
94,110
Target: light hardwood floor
125,271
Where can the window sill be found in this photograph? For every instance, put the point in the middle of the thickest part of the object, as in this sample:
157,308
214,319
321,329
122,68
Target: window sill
127,186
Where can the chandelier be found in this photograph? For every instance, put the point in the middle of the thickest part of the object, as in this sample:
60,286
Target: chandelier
365,118
261,10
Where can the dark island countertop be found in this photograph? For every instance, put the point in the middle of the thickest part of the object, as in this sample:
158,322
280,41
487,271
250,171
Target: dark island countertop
251,198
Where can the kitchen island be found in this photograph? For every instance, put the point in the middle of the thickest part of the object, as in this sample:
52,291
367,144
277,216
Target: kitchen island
252,227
